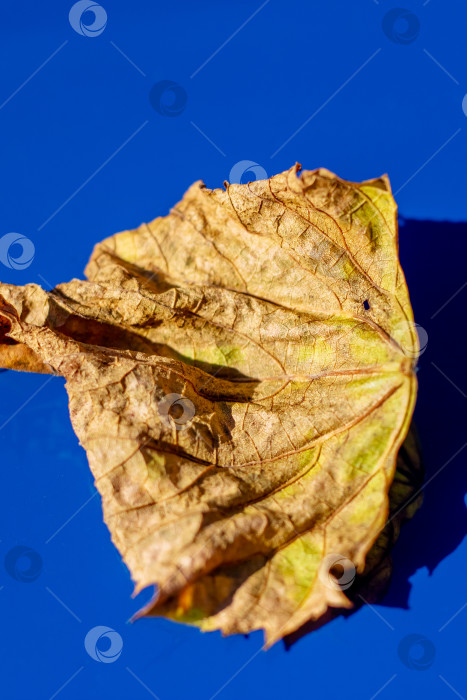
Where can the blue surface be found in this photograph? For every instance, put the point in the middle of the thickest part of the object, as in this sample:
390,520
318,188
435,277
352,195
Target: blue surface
68,136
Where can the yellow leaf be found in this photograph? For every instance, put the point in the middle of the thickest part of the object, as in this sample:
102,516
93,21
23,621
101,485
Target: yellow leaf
241,375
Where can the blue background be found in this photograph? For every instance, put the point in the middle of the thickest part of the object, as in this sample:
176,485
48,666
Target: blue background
70,130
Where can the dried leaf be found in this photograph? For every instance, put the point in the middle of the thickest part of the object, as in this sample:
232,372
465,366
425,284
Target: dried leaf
241,375
405,497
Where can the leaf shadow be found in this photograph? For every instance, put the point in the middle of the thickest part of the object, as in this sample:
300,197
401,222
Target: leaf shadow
433,257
